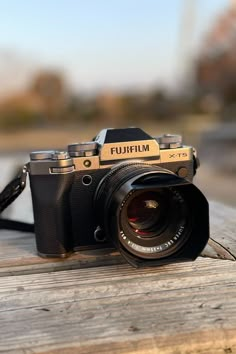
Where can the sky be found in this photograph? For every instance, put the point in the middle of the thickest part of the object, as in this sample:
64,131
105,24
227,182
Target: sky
100,44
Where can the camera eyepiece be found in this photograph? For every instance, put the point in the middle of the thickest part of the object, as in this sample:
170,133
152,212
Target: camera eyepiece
150,214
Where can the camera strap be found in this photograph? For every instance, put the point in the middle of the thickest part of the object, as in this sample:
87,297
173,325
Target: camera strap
7,197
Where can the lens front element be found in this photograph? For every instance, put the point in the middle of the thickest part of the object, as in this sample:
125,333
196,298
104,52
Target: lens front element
154,223
144,213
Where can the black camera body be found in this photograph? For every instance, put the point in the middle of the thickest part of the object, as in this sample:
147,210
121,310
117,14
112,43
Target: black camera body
119,190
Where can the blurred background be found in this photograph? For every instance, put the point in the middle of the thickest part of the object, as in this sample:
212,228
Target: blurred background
69,68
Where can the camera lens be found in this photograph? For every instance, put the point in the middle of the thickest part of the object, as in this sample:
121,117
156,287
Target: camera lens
150,214
154,223
146,213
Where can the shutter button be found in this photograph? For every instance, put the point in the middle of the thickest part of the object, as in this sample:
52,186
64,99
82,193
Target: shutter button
169,141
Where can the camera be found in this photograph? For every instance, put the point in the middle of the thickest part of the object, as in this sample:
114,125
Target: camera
124,189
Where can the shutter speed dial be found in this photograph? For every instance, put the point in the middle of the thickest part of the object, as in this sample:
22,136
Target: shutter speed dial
83,149
60,155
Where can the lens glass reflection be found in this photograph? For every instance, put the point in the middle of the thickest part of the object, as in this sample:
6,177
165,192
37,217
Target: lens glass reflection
145,213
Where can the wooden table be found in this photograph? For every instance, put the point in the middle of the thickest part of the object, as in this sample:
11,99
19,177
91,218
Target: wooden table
95,303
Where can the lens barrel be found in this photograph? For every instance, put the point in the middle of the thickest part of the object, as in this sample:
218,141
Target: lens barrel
151,215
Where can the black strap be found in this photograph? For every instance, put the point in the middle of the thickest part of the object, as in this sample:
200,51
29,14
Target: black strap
8,195
7,224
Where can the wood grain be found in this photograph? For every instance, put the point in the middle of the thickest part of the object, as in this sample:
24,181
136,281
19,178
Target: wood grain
110,307
222,243
93,302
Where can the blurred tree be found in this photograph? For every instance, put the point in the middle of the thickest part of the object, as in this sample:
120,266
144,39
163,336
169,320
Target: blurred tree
131,107
108,107
49,87
216,64
20,111
43,102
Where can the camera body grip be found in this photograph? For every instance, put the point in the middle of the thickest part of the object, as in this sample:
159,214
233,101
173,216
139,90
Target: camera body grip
51,208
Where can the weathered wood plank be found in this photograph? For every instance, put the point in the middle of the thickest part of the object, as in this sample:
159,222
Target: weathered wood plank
200,344
182,308
185,308
223,232
18,256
